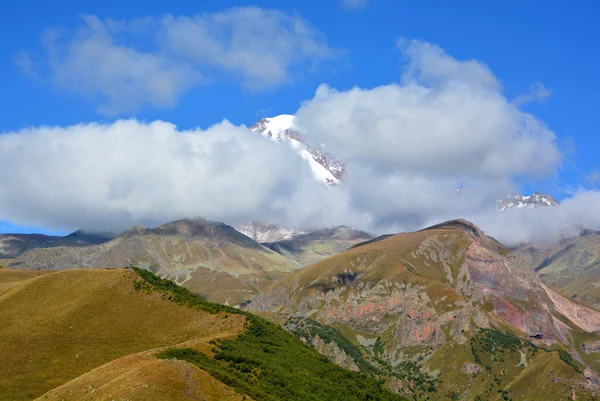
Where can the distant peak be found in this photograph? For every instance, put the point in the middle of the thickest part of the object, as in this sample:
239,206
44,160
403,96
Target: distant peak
277,127
460,224
90,234
266,232
135,230
518,201
326,168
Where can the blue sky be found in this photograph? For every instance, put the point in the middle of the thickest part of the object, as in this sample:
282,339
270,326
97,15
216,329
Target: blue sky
523,42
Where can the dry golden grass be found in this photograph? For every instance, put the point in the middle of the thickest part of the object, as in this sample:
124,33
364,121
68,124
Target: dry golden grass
143,377
60,325
381,260
547,378
10,277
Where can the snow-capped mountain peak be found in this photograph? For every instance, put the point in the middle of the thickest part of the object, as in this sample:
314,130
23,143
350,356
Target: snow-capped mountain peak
263,232
538,199
326,168
276,127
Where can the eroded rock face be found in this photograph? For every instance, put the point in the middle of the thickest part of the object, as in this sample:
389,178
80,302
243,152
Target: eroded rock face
471,369
335,353
591,347
417,292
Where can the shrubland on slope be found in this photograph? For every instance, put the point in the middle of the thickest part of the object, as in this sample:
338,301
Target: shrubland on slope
445,313
209,258
104,334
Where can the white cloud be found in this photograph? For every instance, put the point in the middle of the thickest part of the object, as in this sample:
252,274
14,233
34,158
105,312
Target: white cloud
408,146
109,177
537,93
353,4
127,64
519,226
593,178
123,78
25,64
259,46
428,64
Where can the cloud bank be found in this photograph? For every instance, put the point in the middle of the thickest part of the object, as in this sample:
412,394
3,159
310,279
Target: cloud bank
443,142
127,64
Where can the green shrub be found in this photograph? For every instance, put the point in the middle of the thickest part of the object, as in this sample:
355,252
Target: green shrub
267,363
568,359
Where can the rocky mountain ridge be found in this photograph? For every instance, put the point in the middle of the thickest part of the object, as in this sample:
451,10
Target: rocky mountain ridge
422,298
14,245
571,265
209,258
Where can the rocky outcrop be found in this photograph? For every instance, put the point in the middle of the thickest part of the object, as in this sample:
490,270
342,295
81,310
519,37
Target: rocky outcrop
471,368
591,347
335,353
404,297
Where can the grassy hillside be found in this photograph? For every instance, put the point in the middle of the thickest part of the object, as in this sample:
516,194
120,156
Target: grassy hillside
10,277
497,365
436,309
99,334
60,325
265,362
144,377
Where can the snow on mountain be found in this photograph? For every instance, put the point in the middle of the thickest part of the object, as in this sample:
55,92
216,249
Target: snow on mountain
538,199
262,232
326,168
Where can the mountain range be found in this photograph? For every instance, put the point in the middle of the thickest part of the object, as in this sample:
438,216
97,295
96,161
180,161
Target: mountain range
14,245
334,313
442,313
442,299
209,258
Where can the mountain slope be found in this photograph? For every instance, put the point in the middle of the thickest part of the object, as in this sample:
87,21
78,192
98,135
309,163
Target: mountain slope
263,232
209,258
144,377
419,301
317,245
125,334
60,325
14,245
571,266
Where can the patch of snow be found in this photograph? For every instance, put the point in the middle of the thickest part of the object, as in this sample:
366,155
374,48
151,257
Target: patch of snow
326,168
531,201
262,232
